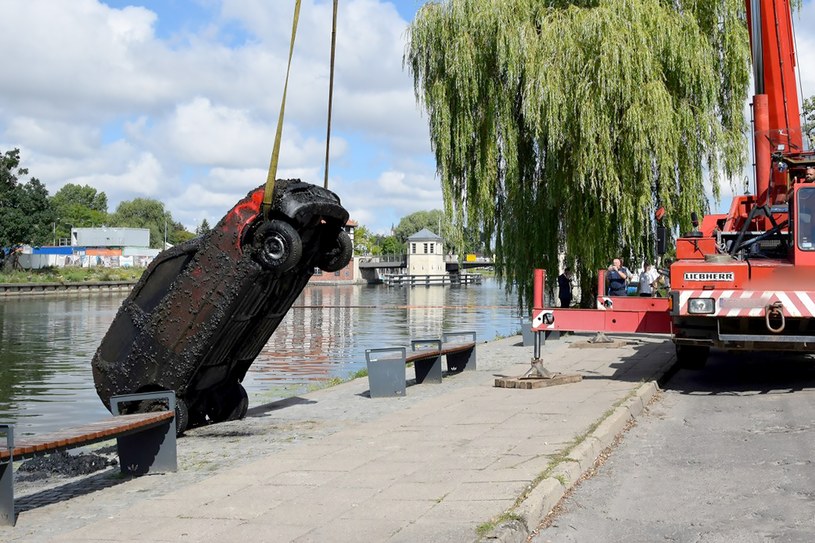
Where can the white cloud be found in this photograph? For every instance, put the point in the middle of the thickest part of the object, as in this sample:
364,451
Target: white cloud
97,97
52,137
381,202
805,48
142,176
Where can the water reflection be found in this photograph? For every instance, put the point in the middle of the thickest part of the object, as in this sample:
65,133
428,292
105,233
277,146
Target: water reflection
46,344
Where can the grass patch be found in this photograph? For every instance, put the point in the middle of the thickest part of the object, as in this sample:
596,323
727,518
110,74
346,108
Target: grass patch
489,526
484,528
328,383
554,461
70,275
359,374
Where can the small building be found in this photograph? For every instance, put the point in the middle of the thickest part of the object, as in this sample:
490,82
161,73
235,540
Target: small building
110,237
425,254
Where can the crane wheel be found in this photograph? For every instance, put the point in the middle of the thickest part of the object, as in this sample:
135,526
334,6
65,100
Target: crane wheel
692,357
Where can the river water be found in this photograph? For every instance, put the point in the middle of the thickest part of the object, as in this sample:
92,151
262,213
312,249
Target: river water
46,343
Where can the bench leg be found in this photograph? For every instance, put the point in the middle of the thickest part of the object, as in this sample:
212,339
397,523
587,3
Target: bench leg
148,451
386,374
152,450
463,361
428,370
7,494
7,517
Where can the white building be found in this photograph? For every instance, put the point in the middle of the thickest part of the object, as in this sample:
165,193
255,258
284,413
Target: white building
425,254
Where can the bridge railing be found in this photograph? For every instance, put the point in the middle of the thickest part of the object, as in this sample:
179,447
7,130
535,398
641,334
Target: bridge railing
384,258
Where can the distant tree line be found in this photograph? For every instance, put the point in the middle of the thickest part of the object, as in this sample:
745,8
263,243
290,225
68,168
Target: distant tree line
29,215
434,220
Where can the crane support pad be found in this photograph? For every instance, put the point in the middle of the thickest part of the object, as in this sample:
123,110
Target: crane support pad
532,383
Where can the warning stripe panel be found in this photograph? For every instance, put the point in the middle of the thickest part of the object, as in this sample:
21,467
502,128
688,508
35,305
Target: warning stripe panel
752,303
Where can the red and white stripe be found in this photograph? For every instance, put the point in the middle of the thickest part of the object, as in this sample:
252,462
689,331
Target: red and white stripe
752,303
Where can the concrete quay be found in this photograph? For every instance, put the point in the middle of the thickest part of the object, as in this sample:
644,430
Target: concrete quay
460,461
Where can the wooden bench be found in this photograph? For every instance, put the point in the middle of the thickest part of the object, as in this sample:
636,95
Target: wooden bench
146,443
386,366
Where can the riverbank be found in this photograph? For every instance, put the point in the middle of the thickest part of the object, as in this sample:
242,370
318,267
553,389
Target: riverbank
67,280
449,462
40,289
70,275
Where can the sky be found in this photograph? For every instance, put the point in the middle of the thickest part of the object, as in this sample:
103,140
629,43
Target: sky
178,100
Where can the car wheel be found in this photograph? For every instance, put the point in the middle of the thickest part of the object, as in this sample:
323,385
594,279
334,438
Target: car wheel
278,246
692,357
231,404
339,253
182,416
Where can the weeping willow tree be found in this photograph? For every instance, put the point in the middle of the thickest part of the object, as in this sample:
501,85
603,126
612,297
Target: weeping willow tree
560,127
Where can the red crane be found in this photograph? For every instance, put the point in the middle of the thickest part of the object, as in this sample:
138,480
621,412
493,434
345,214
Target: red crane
744,280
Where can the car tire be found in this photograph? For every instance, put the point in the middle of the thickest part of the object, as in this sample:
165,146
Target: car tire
338,253
231,404
182,416
692,357
278,246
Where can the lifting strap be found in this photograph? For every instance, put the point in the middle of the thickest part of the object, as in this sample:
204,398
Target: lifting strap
330,90
268,192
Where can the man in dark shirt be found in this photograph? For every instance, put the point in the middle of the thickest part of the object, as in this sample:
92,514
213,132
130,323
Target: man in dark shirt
564,287
617,277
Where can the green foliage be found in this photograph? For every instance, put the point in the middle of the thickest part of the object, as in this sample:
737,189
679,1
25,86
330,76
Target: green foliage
560,126
203,228
144,213
433,220
363,240
150,213
179,234
81,195
26,215
809,119
78,206
390,245
467,239
70,275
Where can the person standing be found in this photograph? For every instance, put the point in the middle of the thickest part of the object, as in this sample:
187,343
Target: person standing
564,287
647,282
617,278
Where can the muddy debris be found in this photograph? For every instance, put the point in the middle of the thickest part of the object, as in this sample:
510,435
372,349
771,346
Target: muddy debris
63,464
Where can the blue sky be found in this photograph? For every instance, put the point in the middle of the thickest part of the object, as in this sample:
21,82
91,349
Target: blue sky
178,100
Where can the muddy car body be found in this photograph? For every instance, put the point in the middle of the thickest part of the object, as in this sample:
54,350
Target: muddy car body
203,310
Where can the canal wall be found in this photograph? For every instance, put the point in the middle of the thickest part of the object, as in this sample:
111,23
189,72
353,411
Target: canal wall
8,290
41,289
